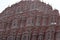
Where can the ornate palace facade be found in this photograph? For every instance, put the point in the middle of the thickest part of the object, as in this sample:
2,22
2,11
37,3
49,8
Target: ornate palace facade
30,20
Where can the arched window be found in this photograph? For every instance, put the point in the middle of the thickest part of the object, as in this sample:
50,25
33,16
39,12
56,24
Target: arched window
34,35
1,25
19,10
31,6
59,20
30,22
18,37
38,21
11,37
49,35
26,36
23,21
58,35
40,36
53,20
44,20
15,23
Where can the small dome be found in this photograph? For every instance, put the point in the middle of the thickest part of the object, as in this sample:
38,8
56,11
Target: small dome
55,12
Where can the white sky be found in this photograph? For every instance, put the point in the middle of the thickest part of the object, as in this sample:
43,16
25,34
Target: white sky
5,3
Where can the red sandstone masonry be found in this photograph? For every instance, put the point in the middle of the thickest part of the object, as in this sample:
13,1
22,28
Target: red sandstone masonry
30,20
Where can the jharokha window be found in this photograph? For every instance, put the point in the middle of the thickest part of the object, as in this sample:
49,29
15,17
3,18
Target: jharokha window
58,35
26,36
11,37
40,36
15,23
23,21
53,20
38,21
30,21
48,36
44,20
18,37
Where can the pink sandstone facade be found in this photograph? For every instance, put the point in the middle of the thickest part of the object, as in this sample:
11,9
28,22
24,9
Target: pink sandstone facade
30,20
